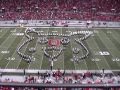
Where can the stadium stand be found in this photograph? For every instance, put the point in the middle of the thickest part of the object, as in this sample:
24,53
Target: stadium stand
59,78
103,10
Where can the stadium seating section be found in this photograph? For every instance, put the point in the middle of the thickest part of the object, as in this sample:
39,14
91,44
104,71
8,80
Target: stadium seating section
103,10
59,77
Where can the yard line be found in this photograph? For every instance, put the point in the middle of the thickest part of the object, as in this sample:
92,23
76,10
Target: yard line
41,61
96,45
63,52
5,40
86,64
7,46
115,44
70,64
5,37
72,54
12,55
97,65
84,61
53,51
16,52
37,60
32,55
95,61
87,60
32,63
59,63
116,41
21,58
24,52
27,53
3,34
106,61
43,54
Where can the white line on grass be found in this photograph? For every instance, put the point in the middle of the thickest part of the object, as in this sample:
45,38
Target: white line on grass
32,55
53,50
63,53
96,62
85,61
41,61
5,41
62,67
9,44
21,58
43,55
107,63
12,54
72,54
97,65
3,34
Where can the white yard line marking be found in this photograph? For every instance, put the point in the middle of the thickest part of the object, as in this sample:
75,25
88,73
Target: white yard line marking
3,34
41,61
32,55
43,55
63,53
5,41
107,62
72,54
97,65
85,61
8,46
103,57
24,52
12,54
53,50
96,62
86,64
21,58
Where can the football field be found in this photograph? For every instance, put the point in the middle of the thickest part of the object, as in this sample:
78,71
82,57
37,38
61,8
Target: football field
103,46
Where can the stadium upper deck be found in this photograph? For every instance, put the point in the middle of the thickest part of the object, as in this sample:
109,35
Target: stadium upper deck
103,10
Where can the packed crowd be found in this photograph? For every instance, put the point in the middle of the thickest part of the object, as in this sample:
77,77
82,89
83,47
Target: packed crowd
81,78
62,77
105,10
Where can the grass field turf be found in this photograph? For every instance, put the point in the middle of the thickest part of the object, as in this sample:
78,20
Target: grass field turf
103,40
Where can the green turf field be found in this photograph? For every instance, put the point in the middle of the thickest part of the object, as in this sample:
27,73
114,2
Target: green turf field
104,47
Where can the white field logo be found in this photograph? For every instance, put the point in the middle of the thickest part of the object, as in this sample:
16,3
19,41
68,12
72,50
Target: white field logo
10,58
95,59
102,53
18,34
5,52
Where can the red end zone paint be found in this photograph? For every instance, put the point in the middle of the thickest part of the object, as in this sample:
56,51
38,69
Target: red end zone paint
54,42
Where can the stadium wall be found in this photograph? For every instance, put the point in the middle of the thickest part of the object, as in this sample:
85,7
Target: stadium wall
59,23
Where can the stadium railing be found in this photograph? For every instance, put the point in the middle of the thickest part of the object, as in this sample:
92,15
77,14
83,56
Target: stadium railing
38,85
